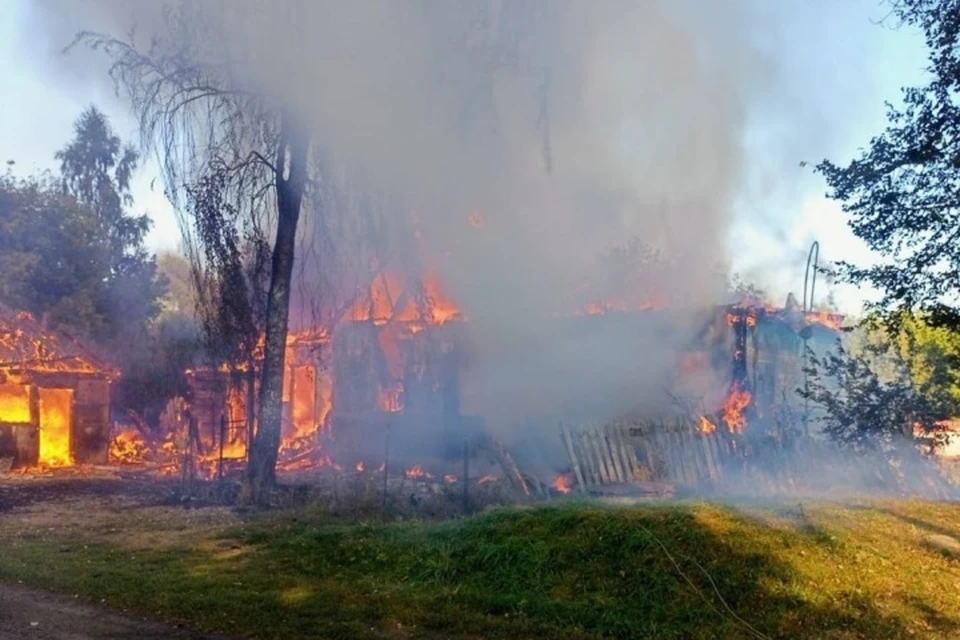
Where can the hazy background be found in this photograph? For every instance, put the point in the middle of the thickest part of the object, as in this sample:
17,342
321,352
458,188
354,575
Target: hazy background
681,123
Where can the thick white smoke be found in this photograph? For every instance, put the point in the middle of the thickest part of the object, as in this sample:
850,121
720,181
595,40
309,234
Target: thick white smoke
638,110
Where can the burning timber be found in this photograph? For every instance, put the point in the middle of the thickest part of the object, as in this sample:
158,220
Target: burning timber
759,439
385,389
54,397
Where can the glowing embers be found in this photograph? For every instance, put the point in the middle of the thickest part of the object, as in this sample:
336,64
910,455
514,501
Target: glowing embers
128,446
390,397
56,416
416,472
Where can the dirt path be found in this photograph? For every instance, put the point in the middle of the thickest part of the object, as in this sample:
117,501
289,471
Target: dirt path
35,615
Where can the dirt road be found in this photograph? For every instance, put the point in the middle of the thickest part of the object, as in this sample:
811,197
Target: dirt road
35,615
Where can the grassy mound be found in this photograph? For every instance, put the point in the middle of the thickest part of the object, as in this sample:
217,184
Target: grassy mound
571,571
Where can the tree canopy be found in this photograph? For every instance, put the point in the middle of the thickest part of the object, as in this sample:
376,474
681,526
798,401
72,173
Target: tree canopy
902,191
924,354
51,260
72,254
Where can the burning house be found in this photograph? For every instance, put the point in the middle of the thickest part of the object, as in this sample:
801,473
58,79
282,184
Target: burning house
54,396
765,347
392,362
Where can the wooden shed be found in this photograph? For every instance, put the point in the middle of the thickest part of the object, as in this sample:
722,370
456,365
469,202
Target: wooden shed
54,396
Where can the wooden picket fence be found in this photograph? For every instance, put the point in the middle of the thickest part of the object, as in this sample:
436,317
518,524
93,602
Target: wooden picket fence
679,454
599,454
616,453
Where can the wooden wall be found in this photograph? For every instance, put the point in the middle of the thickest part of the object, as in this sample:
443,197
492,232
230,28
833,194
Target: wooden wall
90,420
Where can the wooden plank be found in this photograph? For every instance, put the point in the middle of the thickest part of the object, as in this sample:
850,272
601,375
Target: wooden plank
605,475
653,456
586,455
611,449
632,454
706,446
621,448
677,461
683,449
572,454
695,439
688,477
660,457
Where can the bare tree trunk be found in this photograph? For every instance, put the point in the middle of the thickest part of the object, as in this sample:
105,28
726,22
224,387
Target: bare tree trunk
291,172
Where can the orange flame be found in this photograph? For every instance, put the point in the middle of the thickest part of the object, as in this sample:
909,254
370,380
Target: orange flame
128,446
14,403
830,320
360,466
416,472
487,478
750,317
56,408
736,401
563,483
706,426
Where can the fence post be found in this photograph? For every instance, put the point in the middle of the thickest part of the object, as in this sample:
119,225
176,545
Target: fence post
223,433
572,453
386,469
466,475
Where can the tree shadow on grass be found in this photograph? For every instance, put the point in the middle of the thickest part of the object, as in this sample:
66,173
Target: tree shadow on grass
572,573
930,527
559,572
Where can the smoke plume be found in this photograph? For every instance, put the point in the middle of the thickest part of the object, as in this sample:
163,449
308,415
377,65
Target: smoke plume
569,127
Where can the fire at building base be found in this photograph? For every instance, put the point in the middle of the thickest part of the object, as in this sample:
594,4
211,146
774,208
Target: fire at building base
380,397
54,397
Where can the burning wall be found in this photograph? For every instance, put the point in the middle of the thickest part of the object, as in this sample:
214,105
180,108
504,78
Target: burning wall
54,396
766,346
390,366
393,359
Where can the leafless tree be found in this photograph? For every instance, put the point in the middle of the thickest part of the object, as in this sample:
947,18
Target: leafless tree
239,167
231,153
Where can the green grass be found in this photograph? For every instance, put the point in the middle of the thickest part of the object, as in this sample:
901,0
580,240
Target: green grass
571,571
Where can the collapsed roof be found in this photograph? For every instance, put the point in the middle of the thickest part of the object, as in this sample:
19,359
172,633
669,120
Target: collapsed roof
26,346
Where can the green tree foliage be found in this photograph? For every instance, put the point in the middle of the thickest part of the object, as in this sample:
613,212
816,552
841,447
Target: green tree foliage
929,354
51,260
71,253
902,191
865,412
96,169
180,296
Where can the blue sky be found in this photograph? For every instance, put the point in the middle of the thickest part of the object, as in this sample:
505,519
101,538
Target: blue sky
837,67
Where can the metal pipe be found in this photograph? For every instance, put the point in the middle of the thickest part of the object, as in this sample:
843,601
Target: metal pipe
814,257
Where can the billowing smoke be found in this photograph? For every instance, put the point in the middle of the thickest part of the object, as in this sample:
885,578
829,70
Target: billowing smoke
568,127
